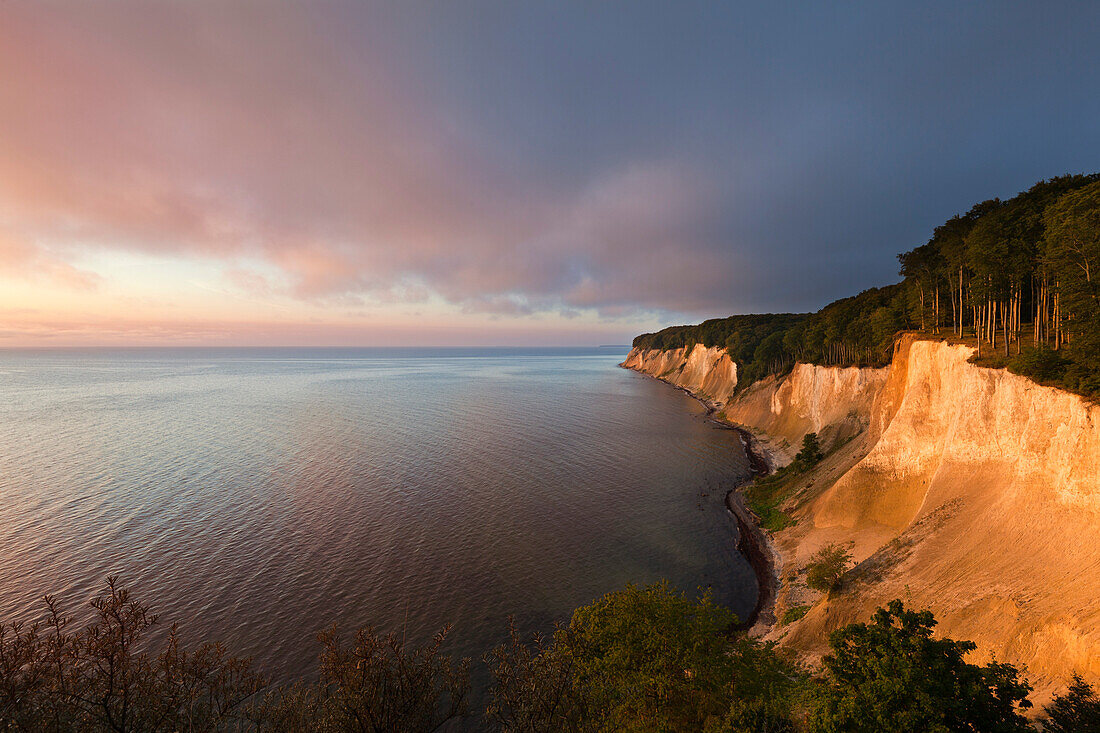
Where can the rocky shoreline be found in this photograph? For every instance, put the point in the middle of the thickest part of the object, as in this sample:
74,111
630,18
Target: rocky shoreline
906,444
753,540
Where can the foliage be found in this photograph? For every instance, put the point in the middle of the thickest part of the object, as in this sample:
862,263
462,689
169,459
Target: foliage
811,454
1033,259
535,690
766,494
649,658
892,675
767,689
376,685
96,678
1077,711
1041,363
101,678
793,614
644,659
827,566
641,659
857,330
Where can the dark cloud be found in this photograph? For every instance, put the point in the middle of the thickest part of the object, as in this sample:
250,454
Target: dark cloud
690,159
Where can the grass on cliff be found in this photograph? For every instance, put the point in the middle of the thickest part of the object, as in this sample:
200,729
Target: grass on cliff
793,614
766,495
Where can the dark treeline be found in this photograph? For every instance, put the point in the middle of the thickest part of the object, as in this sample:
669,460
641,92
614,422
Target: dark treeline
853,331
1018,278
640,659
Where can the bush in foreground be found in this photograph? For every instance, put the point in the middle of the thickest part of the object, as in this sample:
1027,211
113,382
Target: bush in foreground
95,678
641,659
1077,711
891,675
102,678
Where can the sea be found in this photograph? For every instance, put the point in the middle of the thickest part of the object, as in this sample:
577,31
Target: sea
258,496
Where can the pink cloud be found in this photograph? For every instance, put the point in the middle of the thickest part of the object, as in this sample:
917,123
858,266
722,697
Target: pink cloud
28,331
32,262
251,282
221,131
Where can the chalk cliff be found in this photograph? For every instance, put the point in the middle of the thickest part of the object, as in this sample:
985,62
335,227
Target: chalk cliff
970,491
834,402
707,373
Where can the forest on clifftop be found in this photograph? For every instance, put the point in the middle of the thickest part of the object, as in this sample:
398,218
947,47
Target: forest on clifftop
1016,278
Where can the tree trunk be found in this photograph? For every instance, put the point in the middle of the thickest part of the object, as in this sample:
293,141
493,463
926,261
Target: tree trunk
921,286
977,329
955,312
936,327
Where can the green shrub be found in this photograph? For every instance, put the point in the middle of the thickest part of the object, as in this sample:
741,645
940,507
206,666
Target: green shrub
644,659
826,567
793,614
891,675
652,658
1076,711
1041,363
764,496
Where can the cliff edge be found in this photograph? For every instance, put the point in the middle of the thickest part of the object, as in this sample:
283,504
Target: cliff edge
970,491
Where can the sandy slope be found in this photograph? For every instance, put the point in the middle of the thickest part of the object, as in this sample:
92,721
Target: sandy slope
970,491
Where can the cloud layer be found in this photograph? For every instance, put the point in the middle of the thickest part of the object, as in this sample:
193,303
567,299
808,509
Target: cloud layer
624,161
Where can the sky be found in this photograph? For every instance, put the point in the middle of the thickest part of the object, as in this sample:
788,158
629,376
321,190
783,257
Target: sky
476,173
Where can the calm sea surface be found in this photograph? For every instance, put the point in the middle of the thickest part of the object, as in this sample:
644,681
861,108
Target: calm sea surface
258,496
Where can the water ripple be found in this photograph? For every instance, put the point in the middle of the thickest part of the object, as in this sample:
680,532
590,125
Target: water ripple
258,498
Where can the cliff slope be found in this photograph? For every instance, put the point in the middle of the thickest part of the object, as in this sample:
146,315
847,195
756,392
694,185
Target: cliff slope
970,491
706,373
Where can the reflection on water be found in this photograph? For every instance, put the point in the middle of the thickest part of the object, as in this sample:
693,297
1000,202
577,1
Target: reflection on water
257,496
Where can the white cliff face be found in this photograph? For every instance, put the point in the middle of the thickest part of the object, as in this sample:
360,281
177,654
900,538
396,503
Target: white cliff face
707,373
991,484
956,417
834,402
972,491
825,396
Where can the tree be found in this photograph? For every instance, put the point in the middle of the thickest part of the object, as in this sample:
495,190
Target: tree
1040,363
811,454
949,239
534,689
644,659
1077,711
377,685
1072,253
827,566
766,688
891,675
650,658
924,266
100,677
1036,256
104,678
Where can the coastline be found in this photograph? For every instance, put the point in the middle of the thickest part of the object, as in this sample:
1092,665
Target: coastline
910,445
754,542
